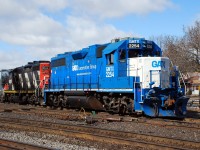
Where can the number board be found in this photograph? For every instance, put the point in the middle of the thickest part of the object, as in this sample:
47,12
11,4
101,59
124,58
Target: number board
147,44
134,45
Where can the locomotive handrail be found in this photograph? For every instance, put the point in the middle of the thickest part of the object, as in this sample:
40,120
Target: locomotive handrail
179,79
137,92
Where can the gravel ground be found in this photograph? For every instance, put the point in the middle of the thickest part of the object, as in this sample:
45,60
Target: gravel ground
59,142
54,141
193,135
46,140
39,118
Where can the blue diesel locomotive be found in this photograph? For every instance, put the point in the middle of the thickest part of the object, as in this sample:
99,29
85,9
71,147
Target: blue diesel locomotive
124,76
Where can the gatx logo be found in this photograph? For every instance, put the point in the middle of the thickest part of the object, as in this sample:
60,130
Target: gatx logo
74,67
156,64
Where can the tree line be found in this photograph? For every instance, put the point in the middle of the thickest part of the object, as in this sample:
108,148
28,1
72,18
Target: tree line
183,51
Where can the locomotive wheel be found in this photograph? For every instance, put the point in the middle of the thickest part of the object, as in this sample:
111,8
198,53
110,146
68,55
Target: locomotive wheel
64,104
9,99
24,100
31,100
61,101
156,110
122,110
41,101
3,99
56,101
6,98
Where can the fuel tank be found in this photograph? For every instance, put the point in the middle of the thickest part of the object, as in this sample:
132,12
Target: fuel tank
86,102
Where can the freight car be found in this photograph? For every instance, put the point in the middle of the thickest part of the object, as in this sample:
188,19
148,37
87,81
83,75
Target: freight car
26,84
124,76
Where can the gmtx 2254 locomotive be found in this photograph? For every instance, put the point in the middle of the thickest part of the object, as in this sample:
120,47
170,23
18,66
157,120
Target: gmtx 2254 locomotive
124,76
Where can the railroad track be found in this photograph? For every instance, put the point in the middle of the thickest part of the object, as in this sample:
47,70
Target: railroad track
97,134
77,115
14,145
62,113
171,123
53,113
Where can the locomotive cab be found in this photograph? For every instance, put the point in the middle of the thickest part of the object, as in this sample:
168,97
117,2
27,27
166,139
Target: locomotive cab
141,61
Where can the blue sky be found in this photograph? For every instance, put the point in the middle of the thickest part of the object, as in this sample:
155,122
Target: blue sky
167,22
40,29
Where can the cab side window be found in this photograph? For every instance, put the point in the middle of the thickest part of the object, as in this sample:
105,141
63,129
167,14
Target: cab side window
110,58
122,54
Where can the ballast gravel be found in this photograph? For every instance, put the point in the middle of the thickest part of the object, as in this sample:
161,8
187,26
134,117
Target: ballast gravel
192,135
59,142
45,140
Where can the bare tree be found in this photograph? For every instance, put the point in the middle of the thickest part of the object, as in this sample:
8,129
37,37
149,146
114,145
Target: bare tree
176,49
183,51
192,40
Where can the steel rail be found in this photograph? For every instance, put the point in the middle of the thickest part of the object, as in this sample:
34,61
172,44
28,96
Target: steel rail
171,124
162,123
103,135
15,145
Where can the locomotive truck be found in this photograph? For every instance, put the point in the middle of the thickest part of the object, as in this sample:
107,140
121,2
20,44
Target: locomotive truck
124,76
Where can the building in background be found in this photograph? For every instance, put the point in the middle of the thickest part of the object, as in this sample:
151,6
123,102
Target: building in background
192,81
